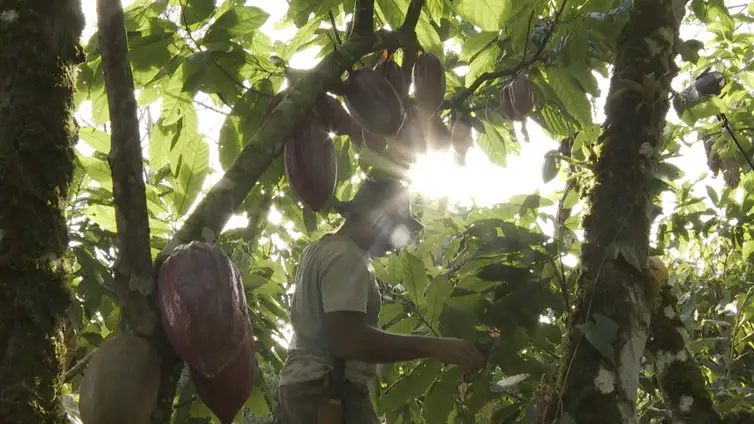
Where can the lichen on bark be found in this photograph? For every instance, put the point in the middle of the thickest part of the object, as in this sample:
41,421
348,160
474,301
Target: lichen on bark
614,282
40,50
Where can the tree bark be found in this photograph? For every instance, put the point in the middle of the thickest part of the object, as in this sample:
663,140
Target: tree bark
39,53
610,323
682,384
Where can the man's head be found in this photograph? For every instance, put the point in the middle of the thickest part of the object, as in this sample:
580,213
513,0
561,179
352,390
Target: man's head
380,216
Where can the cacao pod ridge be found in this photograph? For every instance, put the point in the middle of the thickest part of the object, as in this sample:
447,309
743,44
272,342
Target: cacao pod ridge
311,165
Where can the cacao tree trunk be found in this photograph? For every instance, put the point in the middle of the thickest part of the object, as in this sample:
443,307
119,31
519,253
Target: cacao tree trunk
39,49
611,319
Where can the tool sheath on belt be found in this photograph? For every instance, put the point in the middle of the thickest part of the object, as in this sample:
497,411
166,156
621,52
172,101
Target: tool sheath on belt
331,408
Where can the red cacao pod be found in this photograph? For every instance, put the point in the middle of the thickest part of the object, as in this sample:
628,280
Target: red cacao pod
429,82
517,98
203,306
121,382
460,136
411,135
335,117
438,135
311,164
373,102
393,73
225,394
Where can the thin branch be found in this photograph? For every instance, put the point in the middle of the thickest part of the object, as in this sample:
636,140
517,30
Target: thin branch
363,17
335,29
488,76
412,16
78,367
133,269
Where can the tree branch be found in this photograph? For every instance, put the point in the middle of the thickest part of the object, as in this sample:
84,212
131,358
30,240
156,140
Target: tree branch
215,209
458,99
363,18
674,364
412,16
133,269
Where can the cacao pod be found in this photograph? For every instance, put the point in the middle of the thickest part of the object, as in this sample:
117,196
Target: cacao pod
517,98
373,102
335,117
550,166
311,165
460,136
429,82
225,394
393,73
203,306
121,382
411,134
374,142
438,135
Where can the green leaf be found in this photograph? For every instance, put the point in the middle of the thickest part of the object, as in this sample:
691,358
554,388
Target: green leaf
441,397
570,94
485,61
439,290
96,139
160,144
435,8
489,15
237,22
414,277
98,170
257,403
476,43
192,170
243,122
299,10
493,145
428,37
149,53
601,333
411,386
198,10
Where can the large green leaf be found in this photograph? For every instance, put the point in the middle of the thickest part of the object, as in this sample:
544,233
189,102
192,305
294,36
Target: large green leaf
441,397
489,15
414,277
191,171
570,94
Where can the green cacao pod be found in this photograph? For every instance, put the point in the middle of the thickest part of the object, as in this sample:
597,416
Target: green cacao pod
226,394
311,164
429,82
203,307
438,134
517,98
373,102
393,73
121,382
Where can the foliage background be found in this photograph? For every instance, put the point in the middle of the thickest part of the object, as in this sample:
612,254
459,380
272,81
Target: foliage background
494,259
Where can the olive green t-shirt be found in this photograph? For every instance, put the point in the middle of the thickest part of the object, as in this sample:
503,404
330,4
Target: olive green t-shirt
333,274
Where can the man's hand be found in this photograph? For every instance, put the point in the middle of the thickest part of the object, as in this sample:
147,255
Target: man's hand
458,352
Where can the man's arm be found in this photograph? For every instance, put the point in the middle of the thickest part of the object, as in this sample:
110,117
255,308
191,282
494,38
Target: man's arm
353,338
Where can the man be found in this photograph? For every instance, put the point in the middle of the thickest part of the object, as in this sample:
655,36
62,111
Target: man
334,313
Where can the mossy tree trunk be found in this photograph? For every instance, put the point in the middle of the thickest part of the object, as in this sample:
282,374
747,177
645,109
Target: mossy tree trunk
39,53
611,319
